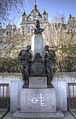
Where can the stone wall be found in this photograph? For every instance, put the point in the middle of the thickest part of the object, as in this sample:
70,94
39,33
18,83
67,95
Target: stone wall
68,77
60,83
6,78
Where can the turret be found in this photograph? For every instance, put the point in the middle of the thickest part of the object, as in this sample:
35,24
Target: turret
69,19
35,5
0,26
14,27
9,27
23,18
62,20
45,16
70,16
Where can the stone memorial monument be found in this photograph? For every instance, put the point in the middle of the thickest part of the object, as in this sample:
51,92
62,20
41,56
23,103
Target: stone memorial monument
37,40
37,96
43,62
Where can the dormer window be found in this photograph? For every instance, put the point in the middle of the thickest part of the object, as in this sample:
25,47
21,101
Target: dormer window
44,18
34,16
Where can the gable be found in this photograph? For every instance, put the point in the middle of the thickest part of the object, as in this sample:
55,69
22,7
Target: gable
35,13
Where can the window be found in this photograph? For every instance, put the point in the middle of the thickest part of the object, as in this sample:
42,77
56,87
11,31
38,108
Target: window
23,20
72,90
71,95
44,18
7,33
4,96
22,28
34,16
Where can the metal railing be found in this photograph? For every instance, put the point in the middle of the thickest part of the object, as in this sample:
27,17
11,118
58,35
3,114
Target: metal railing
4,96
72,96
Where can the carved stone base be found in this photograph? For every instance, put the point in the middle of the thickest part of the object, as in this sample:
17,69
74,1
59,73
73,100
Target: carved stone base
38,100
45,115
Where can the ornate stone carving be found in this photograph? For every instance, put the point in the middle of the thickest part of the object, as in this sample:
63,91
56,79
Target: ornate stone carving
37,67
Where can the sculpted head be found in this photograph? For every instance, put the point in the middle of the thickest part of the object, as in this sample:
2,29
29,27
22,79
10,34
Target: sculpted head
37,24
28,47
46,47
37,56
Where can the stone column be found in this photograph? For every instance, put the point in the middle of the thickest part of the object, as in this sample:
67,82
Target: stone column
14,96
15,88
38,98
62,91
37,45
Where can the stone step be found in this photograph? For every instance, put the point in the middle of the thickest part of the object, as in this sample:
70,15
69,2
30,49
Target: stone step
19,115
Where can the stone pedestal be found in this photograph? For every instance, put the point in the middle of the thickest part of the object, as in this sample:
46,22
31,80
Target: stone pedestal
38,82
37,45
38,100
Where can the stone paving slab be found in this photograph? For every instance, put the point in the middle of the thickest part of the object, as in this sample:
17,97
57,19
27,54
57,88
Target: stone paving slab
2,112
73,112
68,115
8,116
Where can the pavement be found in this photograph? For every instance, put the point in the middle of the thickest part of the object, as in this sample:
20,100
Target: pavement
2,113
73,112
67,114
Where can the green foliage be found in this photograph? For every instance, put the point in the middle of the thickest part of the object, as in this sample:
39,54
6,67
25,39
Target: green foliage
9,65
65,61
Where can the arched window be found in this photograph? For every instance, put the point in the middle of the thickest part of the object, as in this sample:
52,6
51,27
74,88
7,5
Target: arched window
23,20
7,32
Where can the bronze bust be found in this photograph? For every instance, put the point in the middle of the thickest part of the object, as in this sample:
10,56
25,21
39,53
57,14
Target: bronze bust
38,30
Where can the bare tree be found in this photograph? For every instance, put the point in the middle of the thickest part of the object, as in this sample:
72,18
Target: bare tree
63,42
7,6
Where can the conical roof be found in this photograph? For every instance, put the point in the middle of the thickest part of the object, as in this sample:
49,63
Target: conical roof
24,14
44,12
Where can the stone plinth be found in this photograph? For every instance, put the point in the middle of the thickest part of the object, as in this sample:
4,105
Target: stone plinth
37,82
37,45
58,114
38,100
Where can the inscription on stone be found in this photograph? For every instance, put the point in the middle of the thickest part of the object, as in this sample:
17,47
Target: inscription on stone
39,99
34,100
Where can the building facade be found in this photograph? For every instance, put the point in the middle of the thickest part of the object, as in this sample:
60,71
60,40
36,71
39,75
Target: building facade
27,22
69,27
27,25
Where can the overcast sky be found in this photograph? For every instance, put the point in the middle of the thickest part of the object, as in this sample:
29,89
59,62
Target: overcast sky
52,7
